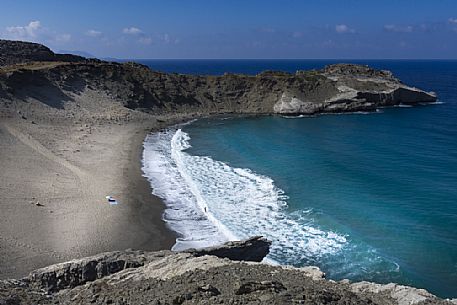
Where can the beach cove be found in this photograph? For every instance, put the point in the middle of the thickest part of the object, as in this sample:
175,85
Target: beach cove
347,169
76,128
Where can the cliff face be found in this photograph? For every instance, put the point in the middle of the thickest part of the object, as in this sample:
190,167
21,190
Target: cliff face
355,88
337,88
35,82
19,52
204,276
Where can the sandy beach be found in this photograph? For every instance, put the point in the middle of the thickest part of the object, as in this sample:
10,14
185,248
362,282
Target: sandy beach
71,136
55,176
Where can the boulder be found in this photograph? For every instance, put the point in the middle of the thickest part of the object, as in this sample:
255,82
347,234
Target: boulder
253,249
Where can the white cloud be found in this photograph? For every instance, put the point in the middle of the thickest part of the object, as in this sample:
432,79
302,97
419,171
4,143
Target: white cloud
398,28
342,28
35,32
132,31
166,38
29,31
452,20
63,38
94,33
145,40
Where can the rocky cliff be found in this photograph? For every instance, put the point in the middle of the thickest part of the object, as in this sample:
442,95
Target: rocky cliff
20,52
204,276
36,83
337,88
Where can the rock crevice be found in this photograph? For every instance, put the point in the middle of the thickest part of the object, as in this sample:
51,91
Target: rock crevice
195,277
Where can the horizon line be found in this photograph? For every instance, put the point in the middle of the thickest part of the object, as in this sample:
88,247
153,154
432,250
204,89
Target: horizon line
410,59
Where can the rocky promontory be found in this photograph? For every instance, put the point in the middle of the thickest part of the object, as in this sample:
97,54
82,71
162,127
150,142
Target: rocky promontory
20,52
205,276
55,108
36,73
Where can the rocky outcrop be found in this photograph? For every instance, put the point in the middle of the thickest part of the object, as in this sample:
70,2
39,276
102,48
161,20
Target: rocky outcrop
336,88
80,271
139,88
19,52
403,295
165,277
32,79
254,249
358,71
358,88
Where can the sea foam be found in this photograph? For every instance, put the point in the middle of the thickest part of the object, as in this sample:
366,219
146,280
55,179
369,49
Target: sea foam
209,202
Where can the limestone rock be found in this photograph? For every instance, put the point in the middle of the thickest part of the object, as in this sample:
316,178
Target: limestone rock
159,265
165,277
403,295
25,73
253,249
80,271
359,88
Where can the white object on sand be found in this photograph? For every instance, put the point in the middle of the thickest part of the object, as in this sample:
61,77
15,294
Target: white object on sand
111,200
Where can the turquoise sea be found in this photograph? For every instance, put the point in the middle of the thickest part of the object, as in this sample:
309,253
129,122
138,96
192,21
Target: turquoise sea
362,196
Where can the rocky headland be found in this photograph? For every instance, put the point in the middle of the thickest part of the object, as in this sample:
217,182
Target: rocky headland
334,89
229,274
61,115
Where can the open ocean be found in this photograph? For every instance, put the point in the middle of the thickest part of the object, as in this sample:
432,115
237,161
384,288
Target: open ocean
362,196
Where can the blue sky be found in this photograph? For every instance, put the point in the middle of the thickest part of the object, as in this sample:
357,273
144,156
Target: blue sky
341,29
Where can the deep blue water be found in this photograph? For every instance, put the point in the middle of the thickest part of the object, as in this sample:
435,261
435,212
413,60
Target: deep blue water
363,196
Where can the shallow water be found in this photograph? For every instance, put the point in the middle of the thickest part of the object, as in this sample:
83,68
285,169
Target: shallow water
365,197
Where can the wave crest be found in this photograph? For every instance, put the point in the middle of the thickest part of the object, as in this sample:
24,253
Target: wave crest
209,202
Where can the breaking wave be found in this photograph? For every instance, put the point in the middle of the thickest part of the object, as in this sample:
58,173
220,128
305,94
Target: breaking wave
209,202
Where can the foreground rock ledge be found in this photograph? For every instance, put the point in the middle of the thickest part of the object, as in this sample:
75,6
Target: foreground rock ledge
203,276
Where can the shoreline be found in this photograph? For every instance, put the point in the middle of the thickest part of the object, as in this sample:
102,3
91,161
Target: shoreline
145,202
141,224
140,190
53,199
86,137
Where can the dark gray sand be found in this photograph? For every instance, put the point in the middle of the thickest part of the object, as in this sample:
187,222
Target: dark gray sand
55,176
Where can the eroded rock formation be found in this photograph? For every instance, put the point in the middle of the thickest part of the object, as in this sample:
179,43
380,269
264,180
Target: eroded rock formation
36,82
166,277
336,88
20,52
